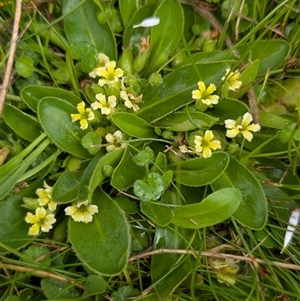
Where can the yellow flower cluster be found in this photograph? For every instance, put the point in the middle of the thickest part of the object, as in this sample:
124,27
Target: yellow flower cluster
43,219
111,80
242,126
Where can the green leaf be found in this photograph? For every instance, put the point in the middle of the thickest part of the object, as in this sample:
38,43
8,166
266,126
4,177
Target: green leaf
91,141
14,175
144,157
94,285
34,252
24,66
166,35
214,209
133,125
82,26
21,123
151,190
159,213
33,94
106,249
200,171
13,227
127,10
127,171
228,108
271,54
176,90
65,189
181,122
55,118
98,173
272,121
169,270
55,289
252,211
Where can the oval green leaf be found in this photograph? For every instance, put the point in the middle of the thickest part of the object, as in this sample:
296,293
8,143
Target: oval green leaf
55,118
159,213
200,171
180,121
252,212
98,175
24,125
176,90
214,209
127,171
162,42
65,189
33,94
103,244
271,54
133,125
228,108
82,25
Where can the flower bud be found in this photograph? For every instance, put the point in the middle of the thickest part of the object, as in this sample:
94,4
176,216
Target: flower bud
126,61
140,61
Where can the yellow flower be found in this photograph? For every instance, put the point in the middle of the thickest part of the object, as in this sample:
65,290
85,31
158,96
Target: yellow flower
115,141
232,80
205,144
84,115
102,61
204,94
82,212
130,100
110,75
236,127
45,197
107,106
226,270
41,221
185,149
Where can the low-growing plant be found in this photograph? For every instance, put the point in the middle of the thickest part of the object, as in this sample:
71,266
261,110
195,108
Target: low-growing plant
149,152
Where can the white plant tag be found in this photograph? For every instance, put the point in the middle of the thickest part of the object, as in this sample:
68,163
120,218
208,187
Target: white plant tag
149,22
293,222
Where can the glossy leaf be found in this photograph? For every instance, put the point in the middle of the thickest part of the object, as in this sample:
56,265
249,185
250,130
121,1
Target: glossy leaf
133,125
24,125
82,26
181,122
252,212
158,213
103,244
127,9
271,54
55,118
214,209
169,270
176,90
271,120
98,176
127,172
13,227
162,42
228,108
200,171
33,94
65,189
